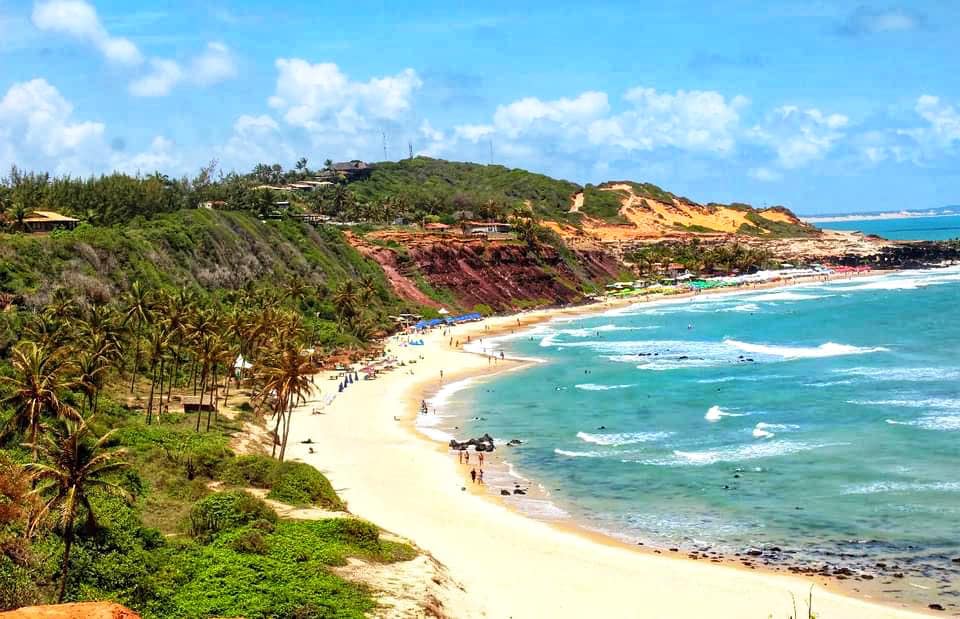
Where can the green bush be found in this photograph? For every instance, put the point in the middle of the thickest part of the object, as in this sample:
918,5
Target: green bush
251,470
17,585
227,510
250,541
297,483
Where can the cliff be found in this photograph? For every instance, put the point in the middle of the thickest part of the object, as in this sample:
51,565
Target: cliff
468,273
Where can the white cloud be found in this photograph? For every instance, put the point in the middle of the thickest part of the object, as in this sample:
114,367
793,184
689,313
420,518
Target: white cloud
872,21
79,19
164,75
764,174
695,120
37,129
799,137
943,119
319,97
256,139
474,133
160,156
532,114
213,66
216,64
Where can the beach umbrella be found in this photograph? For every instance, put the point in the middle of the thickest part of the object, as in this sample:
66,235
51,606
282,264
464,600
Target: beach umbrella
443,310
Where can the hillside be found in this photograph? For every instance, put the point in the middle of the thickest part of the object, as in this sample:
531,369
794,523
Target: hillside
610,211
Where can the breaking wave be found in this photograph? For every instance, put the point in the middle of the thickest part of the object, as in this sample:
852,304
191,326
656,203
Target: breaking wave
624,438
715,413
830,349
595,387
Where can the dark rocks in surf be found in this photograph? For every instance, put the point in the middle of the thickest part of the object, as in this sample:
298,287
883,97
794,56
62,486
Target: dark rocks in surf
484,443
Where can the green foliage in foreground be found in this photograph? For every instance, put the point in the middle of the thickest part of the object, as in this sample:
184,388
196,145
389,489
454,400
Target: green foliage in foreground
294,483
297,483
227,510
240,561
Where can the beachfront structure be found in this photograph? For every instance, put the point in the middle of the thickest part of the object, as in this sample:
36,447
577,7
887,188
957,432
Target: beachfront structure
437,227
350,170
48,221
486,228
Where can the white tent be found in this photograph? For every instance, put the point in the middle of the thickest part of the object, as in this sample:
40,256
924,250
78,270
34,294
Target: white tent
443,311
241,363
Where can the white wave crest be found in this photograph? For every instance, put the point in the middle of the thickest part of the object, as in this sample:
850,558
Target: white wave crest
715,413
743,307
787,296
829,349
622,438
595,387
767,430
903,374
765,449
579,454
879,487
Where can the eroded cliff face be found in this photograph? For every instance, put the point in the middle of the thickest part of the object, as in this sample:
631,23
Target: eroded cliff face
501,275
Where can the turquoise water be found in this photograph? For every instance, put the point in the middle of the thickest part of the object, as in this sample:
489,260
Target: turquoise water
910,228
821,420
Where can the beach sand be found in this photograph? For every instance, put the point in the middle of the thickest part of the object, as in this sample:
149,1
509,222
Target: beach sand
508,564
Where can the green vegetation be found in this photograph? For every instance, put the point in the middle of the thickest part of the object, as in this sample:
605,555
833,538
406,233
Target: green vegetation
603,203
422,189
300,484
700,258
775,229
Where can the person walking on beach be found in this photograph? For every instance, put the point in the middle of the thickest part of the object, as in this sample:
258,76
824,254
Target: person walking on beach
441,374
466,455
480,477
460,457
480,457
473,475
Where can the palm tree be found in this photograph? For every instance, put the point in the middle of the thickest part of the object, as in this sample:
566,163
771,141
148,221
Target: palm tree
92,367
287,377
345,300
139,306
159,344
75,467
35,386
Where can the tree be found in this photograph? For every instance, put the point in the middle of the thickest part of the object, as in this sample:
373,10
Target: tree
139,306
75,467
287,376
36,384
301,165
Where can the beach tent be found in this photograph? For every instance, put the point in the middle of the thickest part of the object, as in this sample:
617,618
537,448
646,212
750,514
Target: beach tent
443,311
241,363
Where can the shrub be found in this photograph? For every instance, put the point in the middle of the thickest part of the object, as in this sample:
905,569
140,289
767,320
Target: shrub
17,585
297,483
251,542
227,510
249,470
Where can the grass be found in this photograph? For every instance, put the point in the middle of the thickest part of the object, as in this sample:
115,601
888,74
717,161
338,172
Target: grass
288,576
603,204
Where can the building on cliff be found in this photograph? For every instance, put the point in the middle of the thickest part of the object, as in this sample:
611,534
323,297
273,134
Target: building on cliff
48,221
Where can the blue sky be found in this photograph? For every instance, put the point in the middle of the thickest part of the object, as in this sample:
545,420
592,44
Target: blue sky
820,106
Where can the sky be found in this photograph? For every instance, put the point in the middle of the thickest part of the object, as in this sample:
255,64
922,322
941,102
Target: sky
824,107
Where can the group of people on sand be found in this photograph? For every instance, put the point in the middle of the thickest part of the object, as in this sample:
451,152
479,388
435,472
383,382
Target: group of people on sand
476,472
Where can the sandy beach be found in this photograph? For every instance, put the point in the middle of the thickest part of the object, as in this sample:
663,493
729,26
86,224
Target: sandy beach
510,565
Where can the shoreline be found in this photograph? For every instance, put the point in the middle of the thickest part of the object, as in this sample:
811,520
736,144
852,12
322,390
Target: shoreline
450,518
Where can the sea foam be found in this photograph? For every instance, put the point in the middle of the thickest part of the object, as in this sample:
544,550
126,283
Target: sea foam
829,349
622,438
715,414
595,387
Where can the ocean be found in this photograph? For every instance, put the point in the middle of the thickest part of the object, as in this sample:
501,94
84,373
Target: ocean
907,228
819,424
